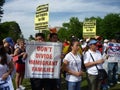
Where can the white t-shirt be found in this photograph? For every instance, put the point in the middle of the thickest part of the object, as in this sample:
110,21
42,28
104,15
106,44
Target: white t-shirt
73,65
4,68
87,58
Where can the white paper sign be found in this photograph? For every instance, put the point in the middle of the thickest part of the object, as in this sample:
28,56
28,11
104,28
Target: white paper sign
43,60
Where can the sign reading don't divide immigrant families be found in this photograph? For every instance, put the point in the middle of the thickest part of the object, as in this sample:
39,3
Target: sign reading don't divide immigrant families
43,60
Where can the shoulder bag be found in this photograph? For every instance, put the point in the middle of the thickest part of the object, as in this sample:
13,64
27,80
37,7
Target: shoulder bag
102,74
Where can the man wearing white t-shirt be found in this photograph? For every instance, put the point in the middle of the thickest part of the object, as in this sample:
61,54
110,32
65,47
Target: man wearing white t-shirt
92,71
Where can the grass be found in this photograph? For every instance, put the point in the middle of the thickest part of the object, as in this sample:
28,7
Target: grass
84,84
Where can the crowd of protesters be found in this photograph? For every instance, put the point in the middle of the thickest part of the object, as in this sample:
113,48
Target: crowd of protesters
76,53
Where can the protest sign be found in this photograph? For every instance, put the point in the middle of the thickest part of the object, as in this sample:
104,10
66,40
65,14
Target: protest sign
114,53
114,50
42,17
89,28
43,60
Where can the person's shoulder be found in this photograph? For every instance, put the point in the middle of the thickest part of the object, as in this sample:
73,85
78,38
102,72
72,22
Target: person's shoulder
9,58
87,52
98,51
68,54
17,48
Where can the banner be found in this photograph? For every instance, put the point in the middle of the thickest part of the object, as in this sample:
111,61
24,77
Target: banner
114,50
89,28
43,60
42,17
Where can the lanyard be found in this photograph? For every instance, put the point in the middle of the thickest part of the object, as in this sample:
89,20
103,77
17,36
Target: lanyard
75,62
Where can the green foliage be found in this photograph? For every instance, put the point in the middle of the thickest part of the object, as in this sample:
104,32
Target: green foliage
111,25
106,27
46,32
62,34
73,27
10,29
84,84
31,38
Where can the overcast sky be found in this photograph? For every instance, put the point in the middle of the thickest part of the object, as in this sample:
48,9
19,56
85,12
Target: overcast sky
23,11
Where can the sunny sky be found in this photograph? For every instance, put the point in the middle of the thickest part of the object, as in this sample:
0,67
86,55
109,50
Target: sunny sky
23,11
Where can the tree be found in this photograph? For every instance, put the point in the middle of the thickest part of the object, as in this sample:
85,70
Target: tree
111,25
1,10
73,27
31,38
62,34
10,29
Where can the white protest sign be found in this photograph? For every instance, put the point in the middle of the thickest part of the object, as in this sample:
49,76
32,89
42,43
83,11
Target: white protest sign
114,53
43,60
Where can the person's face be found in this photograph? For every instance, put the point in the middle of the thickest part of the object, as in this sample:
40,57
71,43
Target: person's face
6,44
22,43
39,39
54,38
76,46
93,46
113,40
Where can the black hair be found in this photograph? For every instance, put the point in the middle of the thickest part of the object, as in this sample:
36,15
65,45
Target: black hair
2,54
53,34
73,40
40,34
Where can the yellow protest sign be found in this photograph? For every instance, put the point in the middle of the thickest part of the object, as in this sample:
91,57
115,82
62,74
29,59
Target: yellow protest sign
89,28
42,17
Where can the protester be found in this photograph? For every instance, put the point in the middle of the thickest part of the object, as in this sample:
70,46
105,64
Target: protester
105,45
9,45
99,43
83,44
55,83
16,44
53,37
20,64
6,67
38,83
66,43
72,66
112,65
94,83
